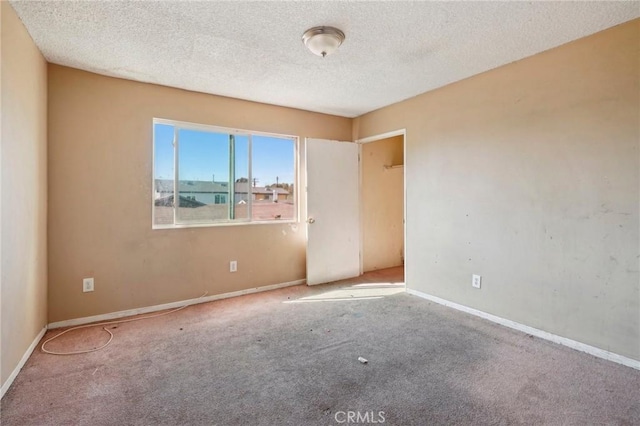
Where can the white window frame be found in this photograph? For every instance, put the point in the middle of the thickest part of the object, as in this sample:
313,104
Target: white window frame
180,125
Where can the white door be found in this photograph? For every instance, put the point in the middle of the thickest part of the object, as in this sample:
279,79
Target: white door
333,214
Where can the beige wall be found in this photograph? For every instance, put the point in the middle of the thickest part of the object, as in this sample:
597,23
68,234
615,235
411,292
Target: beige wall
529,175
24,191
100,158
382,204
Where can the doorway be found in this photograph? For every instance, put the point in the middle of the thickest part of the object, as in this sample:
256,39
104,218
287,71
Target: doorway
355,202
382,202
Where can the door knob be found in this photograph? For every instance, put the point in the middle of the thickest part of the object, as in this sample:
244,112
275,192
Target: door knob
311,220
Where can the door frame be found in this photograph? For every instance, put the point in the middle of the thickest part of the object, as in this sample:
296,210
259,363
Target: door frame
374,138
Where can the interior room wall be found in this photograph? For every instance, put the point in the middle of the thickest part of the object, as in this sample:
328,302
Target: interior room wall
100,186
382,203
23,191
529,176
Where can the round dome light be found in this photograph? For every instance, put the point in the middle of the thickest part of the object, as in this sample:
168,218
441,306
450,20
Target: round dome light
323,41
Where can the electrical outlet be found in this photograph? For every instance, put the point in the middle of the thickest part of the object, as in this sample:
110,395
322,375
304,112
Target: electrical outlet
476,281
233,266
87,284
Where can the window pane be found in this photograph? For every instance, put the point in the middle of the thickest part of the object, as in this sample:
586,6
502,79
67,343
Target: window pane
273,172
217,180
163,174
203,176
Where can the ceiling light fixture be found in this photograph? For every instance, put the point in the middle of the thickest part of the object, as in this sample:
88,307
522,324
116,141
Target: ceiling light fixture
323,41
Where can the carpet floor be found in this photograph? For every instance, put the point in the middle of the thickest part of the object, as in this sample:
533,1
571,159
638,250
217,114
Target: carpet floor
290,357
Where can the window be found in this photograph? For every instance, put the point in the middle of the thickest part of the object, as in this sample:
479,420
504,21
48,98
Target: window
208,175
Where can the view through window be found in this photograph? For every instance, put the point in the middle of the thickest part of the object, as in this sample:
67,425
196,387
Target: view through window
221,175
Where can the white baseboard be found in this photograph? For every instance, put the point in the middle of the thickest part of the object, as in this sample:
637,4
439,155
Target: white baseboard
7,384
172,305
582,347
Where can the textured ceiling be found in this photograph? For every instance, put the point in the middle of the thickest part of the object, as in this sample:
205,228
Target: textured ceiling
253,50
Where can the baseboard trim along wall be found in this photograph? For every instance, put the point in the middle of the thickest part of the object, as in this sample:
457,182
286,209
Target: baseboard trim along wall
582,347
172,305
6,385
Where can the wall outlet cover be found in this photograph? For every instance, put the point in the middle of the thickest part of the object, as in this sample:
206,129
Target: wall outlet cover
476,281
87,284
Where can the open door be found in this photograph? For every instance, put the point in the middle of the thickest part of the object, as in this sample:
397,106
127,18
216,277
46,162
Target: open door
333,213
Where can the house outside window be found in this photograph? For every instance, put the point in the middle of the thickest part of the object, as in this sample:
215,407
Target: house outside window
221,176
